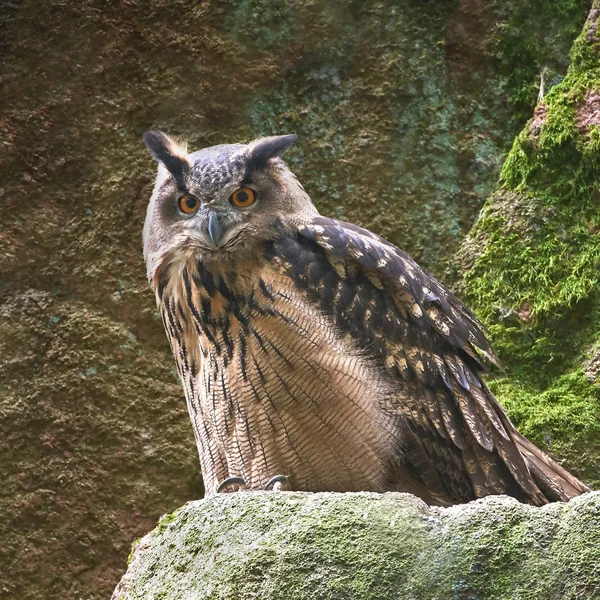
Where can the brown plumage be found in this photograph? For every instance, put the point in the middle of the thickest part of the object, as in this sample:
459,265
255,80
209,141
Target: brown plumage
315,349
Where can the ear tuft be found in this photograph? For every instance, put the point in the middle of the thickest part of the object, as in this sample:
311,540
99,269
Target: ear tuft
169,152
263,149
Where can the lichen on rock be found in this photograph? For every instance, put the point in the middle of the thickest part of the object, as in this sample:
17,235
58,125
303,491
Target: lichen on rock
368,546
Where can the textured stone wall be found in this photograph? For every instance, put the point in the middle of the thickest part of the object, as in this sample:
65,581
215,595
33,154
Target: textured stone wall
403,110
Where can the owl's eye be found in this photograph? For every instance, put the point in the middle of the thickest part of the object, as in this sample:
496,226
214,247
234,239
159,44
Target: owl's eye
188,204
244,197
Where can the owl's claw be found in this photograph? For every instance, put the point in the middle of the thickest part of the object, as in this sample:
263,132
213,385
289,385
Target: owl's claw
277,482
236,480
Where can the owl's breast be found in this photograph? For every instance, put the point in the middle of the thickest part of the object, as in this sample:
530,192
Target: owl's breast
280,390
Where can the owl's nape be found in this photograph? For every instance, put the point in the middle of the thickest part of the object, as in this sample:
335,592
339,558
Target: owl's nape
315,354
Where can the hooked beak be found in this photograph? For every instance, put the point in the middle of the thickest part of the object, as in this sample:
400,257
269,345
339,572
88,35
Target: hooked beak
215,229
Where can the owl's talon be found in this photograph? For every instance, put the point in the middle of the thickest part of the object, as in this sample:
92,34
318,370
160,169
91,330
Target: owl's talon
235,480
276,483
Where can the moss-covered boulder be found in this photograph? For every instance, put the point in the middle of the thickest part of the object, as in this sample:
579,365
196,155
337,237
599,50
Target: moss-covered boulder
531,267
367,546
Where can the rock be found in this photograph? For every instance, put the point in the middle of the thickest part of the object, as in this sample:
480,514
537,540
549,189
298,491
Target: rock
530,267
403,114
368,546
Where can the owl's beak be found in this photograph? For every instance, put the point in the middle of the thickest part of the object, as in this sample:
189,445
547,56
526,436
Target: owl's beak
215,228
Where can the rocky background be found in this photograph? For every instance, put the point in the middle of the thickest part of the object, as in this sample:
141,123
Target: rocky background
405,112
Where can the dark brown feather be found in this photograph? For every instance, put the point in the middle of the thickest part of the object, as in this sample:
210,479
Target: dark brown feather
425,336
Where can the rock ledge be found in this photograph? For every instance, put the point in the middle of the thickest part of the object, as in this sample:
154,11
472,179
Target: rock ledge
368,546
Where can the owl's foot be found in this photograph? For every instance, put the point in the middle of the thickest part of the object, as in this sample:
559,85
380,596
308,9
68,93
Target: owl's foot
277,483
240,482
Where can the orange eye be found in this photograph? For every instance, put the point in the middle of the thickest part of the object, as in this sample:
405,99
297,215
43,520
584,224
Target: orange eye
243,197
188,204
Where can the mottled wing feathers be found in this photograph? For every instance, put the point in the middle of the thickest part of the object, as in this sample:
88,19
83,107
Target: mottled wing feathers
430,343
418,295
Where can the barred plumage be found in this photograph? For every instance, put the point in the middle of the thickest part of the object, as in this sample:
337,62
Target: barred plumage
315,349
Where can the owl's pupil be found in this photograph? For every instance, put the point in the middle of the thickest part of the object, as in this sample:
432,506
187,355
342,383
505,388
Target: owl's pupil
243,197
191,203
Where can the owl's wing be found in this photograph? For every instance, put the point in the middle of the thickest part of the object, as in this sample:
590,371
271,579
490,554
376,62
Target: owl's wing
463,445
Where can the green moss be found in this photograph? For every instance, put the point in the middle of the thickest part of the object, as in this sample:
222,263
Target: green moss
533,252
540,231
134,546
562,417
561,163
165,520
533,269
369,547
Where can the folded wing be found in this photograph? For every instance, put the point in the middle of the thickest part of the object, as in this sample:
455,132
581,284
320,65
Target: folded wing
463,445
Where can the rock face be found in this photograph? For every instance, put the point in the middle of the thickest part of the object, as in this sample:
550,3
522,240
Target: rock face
366,546
403,115
530,267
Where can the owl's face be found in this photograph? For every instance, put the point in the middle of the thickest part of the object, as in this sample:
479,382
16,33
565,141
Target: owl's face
220,201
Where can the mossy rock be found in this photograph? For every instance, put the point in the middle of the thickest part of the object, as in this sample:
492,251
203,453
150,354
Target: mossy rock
531,267
403,110
367,546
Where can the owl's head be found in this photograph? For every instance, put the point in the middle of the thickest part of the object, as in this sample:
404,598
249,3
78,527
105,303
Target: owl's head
223,200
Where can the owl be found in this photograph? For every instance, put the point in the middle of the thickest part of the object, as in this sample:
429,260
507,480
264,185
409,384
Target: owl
314,354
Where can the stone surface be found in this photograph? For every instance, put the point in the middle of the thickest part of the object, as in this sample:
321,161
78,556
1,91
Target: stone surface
403,114
530,267
368,546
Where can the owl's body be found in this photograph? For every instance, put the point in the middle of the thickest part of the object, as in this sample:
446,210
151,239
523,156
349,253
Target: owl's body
272,388
314,349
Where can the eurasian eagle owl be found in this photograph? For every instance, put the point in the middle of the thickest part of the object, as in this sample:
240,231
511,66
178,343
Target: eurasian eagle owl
316,354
